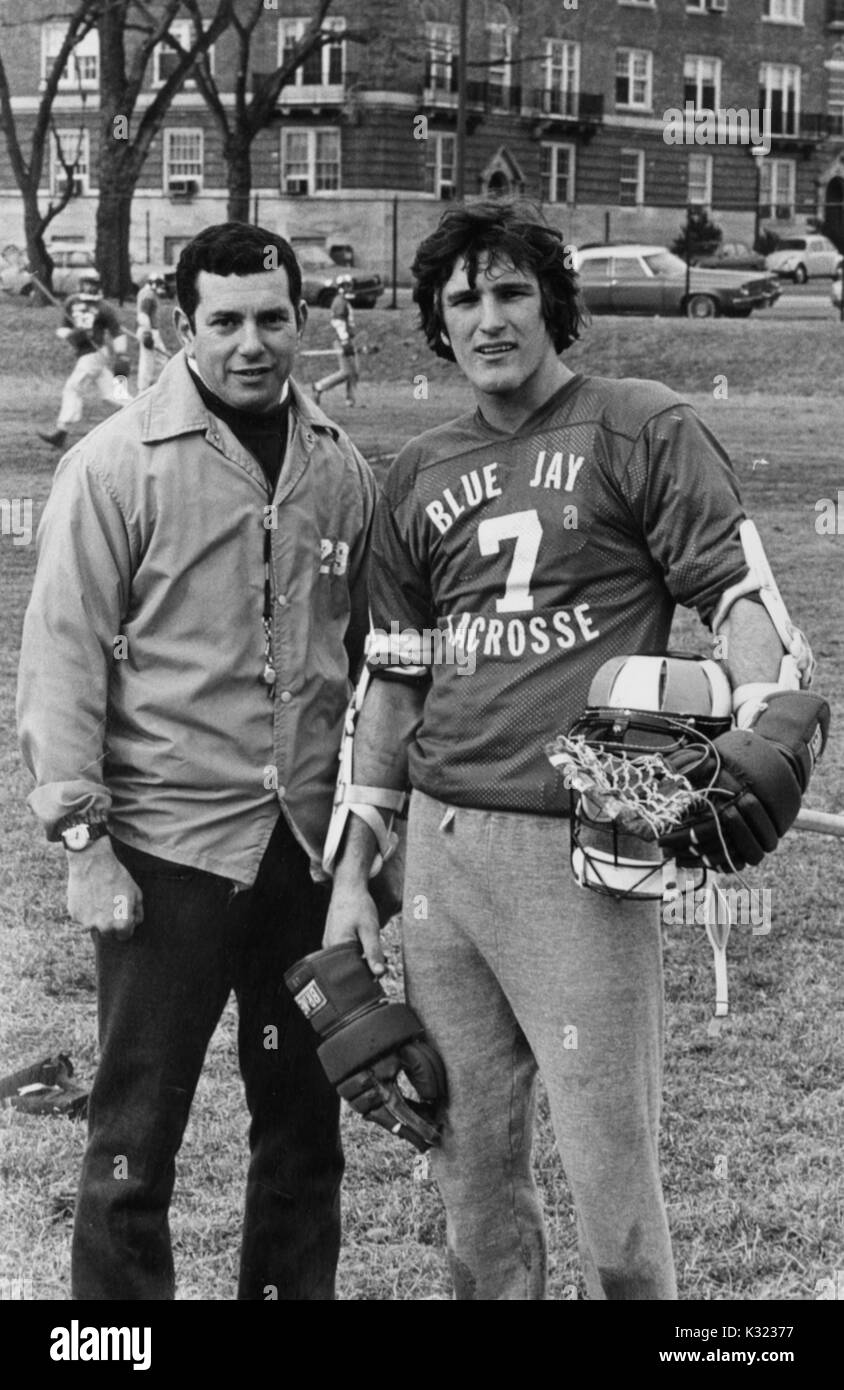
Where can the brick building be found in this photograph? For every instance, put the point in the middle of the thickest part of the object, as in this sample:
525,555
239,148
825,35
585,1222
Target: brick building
566,101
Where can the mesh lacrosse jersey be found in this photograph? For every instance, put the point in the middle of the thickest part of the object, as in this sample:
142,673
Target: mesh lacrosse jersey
523,561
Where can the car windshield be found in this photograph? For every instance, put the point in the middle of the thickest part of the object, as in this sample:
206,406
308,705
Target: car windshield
792,244
665,263
314,255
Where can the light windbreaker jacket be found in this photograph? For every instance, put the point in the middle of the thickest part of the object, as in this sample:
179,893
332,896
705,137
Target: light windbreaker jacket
141,695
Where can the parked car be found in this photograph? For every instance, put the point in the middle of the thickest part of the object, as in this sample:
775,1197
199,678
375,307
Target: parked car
70,260
798,258
639,279
731,255
321,278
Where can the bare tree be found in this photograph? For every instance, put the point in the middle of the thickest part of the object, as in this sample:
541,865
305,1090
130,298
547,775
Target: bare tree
130,31
27,154
253,110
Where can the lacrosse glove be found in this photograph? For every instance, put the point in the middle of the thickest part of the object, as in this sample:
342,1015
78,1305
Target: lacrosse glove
147,340
120,366
758,778
367,1040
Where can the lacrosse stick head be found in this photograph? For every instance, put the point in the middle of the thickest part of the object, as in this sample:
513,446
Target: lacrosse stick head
640,710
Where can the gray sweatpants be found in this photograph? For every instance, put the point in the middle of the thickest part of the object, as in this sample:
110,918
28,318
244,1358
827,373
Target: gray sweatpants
514,968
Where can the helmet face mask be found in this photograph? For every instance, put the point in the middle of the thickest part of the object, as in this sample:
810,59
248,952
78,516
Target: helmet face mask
90,286
639,707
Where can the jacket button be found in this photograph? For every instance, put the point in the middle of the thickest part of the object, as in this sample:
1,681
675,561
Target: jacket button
282,600
286,697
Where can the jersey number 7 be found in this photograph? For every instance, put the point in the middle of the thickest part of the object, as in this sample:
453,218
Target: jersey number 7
525,529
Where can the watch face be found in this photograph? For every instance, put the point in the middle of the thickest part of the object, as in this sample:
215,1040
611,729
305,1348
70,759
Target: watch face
77,837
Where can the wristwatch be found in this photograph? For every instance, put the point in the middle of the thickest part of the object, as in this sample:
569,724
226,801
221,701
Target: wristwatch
79,837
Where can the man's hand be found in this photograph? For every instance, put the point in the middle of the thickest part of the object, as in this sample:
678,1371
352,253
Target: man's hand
147,340
101,893
353,916
367,1041
756,779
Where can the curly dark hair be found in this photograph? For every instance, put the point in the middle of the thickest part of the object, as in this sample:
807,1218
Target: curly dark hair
503,229
233,248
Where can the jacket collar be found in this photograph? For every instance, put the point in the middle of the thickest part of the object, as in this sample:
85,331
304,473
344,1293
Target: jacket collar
175,406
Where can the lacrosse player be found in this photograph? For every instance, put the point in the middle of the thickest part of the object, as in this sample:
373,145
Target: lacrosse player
152,354
89,325
199,603
555,525
343,327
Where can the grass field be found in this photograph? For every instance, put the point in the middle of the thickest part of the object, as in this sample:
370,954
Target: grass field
751,1142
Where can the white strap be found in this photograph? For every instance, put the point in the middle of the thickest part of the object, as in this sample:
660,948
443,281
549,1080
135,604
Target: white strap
718,923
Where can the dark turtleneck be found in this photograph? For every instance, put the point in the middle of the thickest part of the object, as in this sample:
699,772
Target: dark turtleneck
263,433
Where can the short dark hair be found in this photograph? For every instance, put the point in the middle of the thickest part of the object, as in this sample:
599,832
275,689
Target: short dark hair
506,229
233,248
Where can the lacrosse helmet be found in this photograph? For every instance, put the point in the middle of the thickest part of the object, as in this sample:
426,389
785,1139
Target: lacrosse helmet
639,706
90,285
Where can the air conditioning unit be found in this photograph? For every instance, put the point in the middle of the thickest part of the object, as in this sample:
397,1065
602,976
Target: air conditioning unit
296,188
76,188
718,6
182,190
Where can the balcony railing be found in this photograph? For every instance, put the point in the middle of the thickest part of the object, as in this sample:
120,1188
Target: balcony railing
309,94
787,126
572,106
488,95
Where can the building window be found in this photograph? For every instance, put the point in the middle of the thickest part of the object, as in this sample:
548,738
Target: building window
631,183
777,183
323,67
784,11
82,70
69,147
310,160
779,92
562,77
440,163
633,78
702,82
556,168
500,63
183,160
699,185
441,57
166,59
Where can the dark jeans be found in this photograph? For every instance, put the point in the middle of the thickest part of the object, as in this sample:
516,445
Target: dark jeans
161,995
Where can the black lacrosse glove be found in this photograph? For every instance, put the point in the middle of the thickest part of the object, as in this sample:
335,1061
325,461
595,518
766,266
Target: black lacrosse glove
147,339
367,1040
121,366
760,776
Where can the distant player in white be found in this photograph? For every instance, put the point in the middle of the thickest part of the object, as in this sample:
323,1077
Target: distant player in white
89,326
343,328
152,354
556,525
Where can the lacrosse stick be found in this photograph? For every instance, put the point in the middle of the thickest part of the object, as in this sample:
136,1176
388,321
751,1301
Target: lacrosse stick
645,797
363,348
